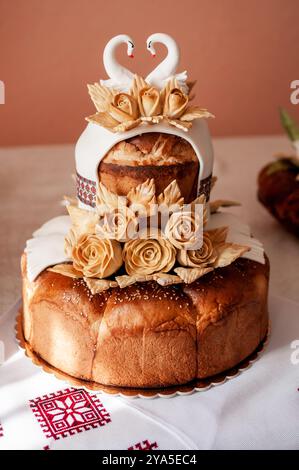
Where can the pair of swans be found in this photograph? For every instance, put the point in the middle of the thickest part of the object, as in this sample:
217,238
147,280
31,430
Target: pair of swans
121,78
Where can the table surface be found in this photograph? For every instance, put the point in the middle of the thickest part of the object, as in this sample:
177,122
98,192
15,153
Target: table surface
34,180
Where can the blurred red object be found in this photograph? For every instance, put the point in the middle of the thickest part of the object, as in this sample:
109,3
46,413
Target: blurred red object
278,182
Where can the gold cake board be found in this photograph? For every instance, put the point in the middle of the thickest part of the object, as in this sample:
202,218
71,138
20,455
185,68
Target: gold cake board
197,385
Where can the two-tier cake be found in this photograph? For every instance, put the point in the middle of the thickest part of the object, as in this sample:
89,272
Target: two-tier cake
146,283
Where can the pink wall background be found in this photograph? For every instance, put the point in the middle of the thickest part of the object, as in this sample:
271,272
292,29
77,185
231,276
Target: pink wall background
243,53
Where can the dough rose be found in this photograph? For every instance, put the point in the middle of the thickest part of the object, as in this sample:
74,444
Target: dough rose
175,103
149,102
148,256
205,256
184,230
120,224
124,108
95,257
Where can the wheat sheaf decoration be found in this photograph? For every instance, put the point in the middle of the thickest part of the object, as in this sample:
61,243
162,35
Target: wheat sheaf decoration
120,112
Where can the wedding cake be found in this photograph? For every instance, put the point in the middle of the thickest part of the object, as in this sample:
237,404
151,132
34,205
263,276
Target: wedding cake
147,282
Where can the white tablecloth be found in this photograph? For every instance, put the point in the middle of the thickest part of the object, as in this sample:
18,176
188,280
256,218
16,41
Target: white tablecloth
259,409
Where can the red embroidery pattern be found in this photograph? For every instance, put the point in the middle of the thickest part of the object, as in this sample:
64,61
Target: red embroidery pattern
69,411
1,431
205,187
86,190
144,445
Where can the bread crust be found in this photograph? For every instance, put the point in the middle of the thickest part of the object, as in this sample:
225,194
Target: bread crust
159,156
146,335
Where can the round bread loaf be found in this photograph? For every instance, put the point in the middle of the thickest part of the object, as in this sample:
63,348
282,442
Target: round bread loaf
146,335
162,157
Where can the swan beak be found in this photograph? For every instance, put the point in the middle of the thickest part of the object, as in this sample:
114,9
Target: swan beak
131,55
153,56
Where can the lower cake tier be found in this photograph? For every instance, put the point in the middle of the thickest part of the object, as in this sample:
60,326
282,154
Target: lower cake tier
146,335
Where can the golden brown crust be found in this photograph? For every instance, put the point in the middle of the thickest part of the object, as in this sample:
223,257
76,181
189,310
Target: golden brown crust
232,315
146,335
159,156
151,148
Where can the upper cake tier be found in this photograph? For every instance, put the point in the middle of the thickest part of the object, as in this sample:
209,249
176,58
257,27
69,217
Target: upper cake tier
144,128
124,160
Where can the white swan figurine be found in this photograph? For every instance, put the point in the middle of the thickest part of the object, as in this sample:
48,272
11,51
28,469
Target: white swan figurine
167,68
120,77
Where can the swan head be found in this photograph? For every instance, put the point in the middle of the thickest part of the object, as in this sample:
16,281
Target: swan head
130,47
116,41
165,39
150,45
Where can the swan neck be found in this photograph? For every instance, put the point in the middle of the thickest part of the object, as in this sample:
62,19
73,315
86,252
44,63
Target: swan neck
171,61
110,63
